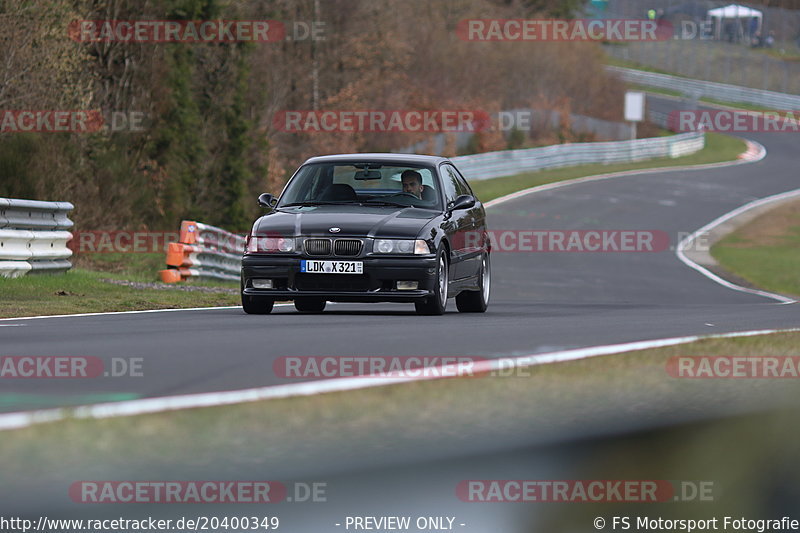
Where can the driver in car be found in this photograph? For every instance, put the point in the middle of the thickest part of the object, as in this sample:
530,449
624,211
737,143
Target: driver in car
412,183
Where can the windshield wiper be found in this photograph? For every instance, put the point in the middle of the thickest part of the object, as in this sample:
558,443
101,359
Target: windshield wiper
368,202
382,202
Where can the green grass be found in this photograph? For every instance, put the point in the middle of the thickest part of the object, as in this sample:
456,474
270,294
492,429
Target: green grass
738,105
134,266
769,262
623,63
718,148
142,267
82,291
656,90
786,50
774,268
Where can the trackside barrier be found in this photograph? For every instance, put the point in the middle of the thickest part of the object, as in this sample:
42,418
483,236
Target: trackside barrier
203,251
510,162
33,237
718,91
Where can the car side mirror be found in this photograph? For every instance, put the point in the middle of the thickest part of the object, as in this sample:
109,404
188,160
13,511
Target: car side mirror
465,201
266,200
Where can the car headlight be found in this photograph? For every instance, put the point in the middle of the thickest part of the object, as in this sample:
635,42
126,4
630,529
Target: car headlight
401,246
270,245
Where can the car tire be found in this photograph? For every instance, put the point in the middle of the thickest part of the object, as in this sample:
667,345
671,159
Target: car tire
436,304
257,305
310,305
477,301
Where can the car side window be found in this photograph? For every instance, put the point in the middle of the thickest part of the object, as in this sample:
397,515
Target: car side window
449,183
463,186
458,180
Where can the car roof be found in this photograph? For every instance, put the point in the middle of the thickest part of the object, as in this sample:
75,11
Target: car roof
382,158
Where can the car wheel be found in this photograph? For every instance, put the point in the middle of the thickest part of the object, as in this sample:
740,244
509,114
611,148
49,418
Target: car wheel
310,305
477,301
257,305
436,304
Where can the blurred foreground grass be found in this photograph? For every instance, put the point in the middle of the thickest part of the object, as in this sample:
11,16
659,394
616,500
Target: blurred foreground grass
538,405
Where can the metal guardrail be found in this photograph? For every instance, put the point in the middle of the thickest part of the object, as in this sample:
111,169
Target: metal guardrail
203,251
719,91
33,237
535,119
510,162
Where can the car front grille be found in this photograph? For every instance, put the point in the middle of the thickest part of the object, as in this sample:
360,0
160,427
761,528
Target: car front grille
318,246
341,247
347,247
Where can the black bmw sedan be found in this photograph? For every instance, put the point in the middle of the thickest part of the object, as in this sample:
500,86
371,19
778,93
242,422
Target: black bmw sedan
370,228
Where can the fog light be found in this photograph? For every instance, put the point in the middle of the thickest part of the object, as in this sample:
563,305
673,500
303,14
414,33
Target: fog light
262,283
407,285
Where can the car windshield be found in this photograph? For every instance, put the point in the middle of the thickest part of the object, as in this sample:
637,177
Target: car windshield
365,183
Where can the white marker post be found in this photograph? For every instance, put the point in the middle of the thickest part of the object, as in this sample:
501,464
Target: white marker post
634,109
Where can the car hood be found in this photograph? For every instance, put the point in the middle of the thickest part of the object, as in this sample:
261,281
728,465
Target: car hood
352,221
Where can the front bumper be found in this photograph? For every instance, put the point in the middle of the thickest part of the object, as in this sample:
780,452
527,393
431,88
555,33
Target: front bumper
376,284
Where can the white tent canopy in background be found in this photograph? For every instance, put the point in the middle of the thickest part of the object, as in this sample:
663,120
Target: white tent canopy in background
736,12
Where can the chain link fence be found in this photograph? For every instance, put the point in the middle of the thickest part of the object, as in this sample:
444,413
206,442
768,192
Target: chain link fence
729,57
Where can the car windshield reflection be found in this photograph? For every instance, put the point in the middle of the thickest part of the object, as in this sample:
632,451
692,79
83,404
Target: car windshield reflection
363,183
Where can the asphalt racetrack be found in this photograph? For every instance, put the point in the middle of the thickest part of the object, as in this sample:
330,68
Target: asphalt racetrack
540,302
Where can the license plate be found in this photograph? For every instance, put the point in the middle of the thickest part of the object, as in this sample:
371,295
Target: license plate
312,266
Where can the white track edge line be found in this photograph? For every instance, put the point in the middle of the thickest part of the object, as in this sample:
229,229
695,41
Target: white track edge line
22,420
687,241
